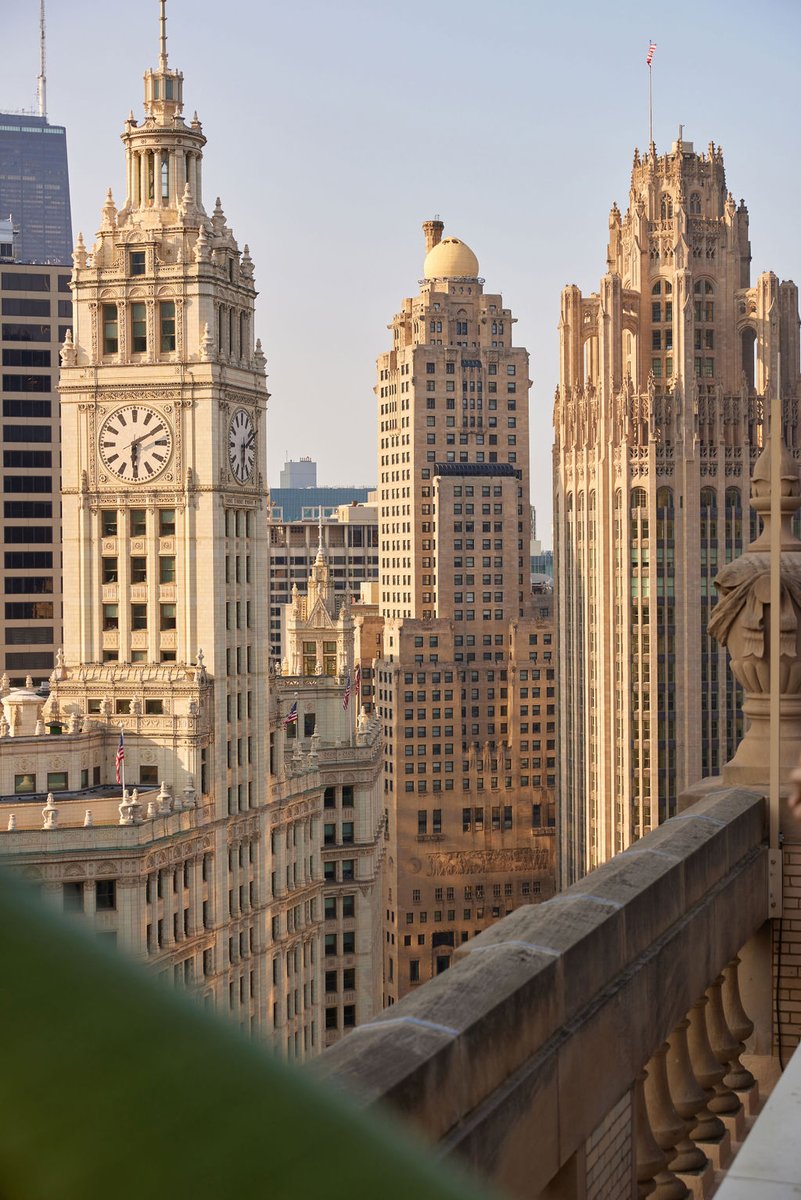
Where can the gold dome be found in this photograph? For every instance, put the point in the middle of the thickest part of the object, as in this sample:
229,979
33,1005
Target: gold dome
450,259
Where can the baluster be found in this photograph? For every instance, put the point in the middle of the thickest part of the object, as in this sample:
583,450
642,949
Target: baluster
688,1095
722,1039
650,1159
707,1068
738,1021
667,1126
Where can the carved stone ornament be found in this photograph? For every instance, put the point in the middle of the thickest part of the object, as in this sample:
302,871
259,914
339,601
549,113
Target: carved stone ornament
741,621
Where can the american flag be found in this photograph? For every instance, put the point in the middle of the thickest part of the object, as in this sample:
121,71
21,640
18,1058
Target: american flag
346,694
357,680
120,759
291,717
650,55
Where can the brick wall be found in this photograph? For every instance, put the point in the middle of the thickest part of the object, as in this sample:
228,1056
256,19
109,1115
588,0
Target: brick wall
609,1154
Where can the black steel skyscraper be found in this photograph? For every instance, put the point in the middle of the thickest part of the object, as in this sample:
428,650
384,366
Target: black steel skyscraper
34,187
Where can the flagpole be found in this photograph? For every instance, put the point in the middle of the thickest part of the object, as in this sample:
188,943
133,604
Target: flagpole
122,760
649,58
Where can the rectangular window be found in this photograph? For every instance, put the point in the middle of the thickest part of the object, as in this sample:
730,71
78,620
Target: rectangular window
166,522
167,616
138,522
111,616
57,781
24,783
167,568
111,333
138,616
136,262
105,895
138,569
108,522
167,325
422,822
138,328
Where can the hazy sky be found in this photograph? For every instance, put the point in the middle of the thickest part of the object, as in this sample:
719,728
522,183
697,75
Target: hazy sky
335,127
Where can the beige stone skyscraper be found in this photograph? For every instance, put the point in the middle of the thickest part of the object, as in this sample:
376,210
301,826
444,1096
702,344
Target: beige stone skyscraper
665,373
464,688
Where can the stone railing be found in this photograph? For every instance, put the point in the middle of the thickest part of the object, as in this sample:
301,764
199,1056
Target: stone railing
589,1046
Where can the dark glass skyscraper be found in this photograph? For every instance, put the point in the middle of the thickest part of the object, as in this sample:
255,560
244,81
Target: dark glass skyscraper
34,187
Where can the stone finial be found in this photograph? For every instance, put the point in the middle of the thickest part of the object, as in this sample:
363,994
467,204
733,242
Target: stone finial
218,217
741,622
202,249
185,203
12,822
29,682
40,728
4,726
60,670
109,211
106,707
68,352
190,793
196,121
88,819
152,810
206,344
50,813
246,263
3,684
74,723
129,808
164,800
259,357
79,254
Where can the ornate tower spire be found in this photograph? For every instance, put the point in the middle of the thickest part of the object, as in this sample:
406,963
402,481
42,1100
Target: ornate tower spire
164,154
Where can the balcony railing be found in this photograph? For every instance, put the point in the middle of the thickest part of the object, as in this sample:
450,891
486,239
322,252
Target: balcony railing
590,1045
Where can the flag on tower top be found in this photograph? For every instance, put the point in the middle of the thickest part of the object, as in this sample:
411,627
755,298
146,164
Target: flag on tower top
346,695
650,55
291,717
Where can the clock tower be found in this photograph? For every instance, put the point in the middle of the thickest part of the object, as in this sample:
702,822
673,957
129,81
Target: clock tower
163,403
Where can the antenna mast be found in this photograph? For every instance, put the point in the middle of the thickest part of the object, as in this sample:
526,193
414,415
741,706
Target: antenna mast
42,82
162,36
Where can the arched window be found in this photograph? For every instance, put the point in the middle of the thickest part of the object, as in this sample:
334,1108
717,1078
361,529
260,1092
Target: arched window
666,208
695,204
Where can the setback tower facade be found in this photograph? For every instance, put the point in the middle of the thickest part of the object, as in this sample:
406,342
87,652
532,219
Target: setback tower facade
665,374
455,683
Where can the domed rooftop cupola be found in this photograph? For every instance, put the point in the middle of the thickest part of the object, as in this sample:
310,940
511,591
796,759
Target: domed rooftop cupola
450,259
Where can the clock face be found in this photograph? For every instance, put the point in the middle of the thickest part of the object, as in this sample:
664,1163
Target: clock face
241,445
135,443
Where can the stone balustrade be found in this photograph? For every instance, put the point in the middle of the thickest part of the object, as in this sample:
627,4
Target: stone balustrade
590,1046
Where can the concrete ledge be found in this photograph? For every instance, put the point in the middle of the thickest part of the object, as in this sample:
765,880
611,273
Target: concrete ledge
515,1055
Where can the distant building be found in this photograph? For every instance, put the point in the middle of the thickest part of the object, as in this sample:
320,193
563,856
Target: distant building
34,187
350,543
325,640
463,685
306,503
666,373
36,309
300,474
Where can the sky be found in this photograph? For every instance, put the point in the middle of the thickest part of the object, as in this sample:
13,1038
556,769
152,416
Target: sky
336,127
